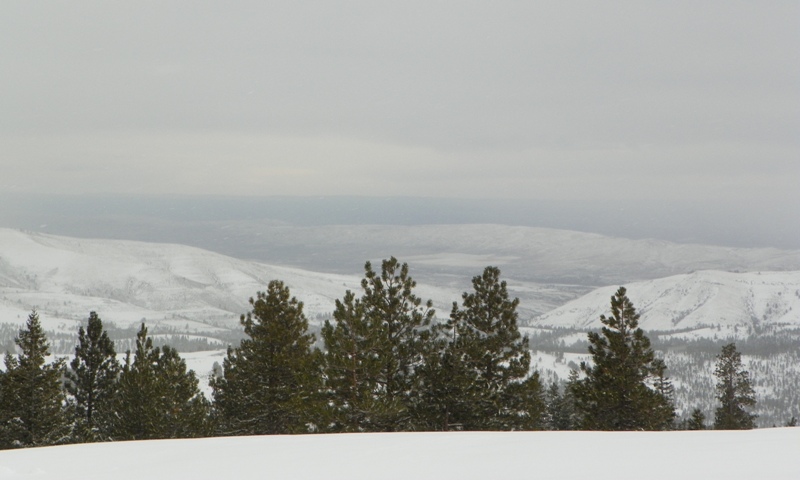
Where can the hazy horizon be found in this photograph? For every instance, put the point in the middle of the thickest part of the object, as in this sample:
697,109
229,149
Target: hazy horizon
178,218
626,102
640,119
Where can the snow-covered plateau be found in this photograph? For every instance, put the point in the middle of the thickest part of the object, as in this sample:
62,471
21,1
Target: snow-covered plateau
768,454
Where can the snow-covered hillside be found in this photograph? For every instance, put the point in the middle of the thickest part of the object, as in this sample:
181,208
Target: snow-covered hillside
769,454
172,285
704,303
689,317
195,290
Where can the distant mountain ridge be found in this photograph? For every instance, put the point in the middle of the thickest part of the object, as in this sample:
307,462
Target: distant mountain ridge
198,290
704,303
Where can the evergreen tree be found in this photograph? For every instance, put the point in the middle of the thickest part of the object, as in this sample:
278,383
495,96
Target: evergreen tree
697,421
444,389
185,410
560,411
31,400
375,351
352,368
271,383
664,408
91,380
614,394
489,374
734,392
156,397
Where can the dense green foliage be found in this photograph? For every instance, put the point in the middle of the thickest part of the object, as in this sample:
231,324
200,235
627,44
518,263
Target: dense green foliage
615,394
697,421
483,380
31,398
91,381
561,413
375,350
734,392
271,382
156,397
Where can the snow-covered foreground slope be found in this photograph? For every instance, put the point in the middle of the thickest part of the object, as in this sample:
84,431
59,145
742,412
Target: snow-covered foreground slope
769,454
703,303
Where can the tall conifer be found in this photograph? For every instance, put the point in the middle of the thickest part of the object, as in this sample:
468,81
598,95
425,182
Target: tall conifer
156,397
614,395
734,392
490,373
271,382
91,380
31,399
375,350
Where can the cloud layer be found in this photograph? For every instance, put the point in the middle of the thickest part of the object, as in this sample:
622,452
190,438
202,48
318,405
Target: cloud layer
463,99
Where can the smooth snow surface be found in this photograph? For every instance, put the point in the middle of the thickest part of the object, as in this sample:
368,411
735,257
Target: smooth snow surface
748,455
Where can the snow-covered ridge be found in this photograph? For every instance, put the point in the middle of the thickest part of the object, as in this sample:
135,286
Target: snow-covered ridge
740,303
125,281
193,290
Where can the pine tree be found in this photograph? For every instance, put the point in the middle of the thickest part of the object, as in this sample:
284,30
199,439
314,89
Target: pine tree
375,351
484,380
185,410
560,411
734,392
614,395
352,368
697,421
156,397
271,383
664,408
445,387
31,400
91,380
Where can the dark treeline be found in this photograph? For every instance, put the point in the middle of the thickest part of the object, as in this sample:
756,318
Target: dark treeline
384,366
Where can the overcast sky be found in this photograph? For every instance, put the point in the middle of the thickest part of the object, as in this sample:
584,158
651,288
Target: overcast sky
559,100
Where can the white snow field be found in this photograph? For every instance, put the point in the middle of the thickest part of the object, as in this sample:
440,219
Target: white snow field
748,455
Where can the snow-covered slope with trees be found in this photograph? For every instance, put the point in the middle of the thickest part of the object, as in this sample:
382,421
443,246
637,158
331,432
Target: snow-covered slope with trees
705,303
198,295
746,455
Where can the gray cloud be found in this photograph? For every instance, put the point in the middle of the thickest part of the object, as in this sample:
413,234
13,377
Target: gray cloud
519,99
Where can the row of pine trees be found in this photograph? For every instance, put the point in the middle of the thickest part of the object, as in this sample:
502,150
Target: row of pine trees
385,367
